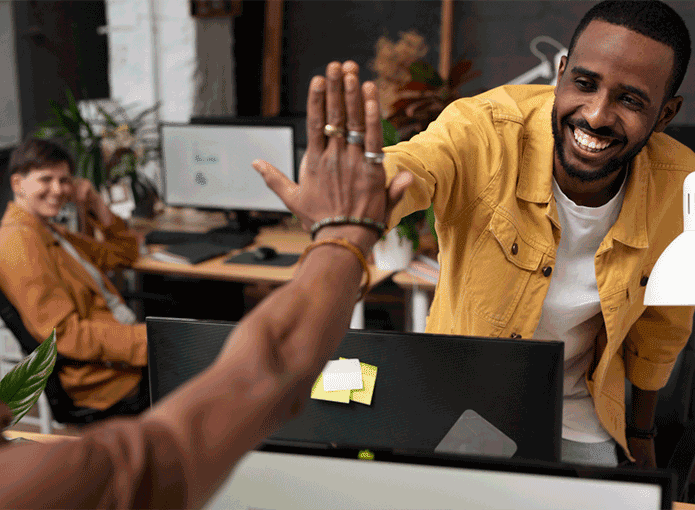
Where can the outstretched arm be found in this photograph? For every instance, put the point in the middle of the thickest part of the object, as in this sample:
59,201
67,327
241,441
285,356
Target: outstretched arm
178,453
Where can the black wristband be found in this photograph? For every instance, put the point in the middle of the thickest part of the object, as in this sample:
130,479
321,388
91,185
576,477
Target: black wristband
631,431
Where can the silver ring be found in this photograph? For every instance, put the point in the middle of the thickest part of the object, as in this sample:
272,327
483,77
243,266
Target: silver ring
375,158
355,137
331,130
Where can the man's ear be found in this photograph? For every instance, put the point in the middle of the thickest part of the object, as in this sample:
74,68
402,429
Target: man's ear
15,183
561,70
668,112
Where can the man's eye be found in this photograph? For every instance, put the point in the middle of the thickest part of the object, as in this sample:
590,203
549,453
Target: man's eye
631,102
584,85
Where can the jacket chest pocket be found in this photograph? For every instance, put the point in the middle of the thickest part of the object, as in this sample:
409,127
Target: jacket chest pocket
499,271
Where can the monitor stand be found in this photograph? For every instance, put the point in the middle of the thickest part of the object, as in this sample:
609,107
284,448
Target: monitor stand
241,221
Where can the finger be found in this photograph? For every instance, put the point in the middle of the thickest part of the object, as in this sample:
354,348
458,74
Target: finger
335,109
396,189
315,115
351,67
373,140
354,104
281,185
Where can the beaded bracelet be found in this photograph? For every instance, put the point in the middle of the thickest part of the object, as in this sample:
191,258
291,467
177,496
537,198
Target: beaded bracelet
348,245
348,220
631,431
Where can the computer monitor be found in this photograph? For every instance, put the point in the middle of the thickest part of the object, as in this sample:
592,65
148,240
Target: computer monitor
311,479
208,166
463,394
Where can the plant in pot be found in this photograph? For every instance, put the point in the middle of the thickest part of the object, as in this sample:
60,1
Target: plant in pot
23,384
108,147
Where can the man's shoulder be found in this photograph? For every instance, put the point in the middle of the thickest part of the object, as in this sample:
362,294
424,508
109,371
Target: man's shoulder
515,100
667,153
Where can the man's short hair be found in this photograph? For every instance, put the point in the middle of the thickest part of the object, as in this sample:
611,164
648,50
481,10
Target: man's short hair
651,18
35,153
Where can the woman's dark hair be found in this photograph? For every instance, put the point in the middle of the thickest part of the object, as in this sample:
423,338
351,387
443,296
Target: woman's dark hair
34,153
651,18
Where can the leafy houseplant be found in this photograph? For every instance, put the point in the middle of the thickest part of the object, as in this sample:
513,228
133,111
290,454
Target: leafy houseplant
106,147
22,386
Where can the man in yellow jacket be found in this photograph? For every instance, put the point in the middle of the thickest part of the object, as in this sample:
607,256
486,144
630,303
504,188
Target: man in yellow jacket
552,205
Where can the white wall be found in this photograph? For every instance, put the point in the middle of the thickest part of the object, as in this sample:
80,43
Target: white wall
152,57
10,124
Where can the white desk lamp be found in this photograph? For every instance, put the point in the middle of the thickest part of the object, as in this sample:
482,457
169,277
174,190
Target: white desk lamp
545,69
672,281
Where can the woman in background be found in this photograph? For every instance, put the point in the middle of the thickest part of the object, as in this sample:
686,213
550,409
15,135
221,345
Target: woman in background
56,279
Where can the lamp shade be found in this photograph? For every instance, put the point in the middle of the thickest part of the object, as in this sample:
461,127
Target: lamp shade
672,281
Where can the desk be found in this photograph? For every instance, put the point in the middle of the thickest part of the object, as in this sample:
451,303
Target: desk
419,297
287,239
47,438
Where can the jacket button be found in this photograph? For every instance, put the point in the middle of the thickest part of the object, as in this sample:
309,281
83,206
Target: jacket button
547,270
515,335
643,281
515,249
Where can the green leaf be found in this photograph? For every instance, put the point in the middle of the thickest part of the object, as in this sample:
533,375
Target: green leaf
425,73
429,216
22,386
390,133
110,121
138,120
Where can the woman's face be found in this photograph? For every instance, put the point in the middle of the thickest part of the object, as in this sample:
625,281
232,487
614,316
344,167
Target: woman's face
43,191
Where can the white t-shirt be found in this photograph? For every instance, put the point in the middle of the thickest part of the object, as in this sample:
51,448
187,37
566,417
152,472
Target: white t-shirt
572,309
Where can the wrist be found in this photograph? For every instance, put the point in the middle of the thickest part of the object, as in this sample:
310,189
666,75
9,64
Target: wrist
632,432
362,237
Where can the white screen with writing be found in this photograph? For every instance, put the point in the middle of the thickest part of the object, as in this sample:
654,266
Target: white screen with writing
209,166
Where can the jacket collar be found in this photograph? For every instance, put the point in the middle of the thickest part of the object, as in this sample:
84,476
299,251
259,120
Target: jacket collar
536,174
16,216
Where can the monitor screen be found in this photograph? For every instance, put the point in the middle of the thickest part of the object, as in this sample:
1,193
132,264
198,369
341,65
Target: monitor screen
318,480
209,166
436,393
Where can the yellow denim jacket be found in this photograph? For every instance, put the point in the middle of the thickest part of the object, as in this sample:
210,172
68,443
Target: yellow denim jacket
486,165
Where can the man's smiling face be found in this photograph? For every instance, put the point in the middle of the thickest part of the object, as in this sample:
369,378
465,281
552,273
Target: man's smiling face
609,99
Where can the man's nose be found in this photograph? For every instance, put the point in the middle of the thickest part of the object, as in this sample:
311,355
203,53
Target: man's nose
599,112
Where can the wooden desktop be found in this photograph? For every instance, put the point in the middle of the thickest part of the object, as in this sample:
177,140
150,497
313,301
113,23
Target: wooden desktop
288,237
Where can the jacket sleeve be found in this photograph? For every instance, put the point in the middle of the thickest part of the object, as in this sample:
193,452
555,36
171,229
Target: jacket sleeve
653,344
30,278
119,248
452,161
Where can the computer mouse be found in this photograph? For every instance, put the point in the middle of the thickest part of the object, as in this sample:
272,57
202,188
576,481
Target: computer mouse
264,253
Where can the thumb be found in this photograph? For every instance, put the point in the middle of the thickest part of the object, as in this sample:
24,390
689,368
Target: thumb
282,186
396,189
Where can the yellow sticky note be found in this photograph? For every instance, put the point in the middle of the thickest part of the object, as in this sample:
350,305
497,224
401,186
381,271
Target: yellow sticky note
319,393
364,396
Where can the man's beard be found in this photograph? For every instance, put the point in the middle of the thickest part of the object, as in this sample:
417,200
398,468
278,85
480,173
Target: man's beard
612,167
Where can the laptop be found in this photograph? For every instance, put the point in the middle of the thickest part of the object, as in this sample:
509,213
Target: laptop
303,478
435,393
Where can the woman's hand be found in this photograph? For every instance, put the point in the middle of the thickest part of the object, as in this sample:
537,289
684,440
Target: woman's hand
335,179
88,200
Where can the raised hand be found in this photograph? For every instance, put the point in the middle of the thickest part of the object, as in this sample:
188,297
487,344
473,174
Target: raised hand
341,173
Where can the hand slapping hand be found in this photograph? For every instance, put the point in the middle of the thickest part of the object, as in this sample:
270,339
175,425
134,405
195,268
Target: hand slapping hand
341,174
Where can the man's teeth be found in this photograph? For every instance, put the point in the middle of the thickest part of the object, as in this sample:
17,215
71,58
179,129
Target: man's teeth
588,142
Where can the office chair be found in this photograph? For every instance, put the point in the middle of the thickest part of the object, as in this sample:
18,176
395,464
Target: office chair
675,421
62,406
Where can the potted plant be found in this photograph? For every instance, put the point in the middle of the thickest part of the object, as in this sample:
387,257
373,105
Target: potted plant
22,386
107,147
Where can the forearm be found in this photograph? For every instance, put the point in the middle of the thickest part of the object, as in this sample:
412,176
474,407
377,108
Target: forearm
239,401
643,408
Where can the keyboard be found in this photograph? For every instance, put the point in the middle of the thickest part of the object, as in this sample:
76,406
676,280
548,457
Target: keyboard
232,240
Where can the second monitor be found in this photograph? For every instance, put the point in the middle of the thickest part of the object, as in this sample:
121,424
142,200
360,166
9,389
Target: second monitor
208,166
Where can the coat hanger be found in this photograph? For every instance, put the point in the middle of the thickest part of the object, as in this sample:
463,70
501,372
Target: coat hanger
545,69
